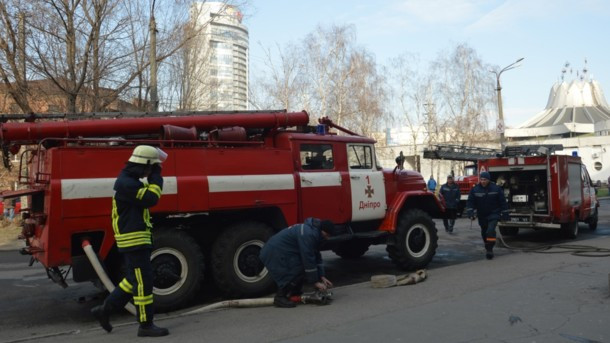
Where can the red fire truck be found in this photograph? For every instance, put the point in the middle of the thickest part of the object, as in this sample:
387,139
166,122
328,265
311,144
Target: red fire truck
461,153
231,180
543,189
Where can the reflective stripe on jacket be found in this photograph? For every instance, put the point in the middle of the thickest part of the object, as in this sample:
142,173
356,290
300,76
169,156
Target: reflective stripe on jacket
130,209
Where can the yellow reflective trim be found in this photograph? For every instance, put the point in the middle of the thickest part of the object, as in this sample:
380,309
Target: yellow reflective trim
146,218
141,192
115,217
155,189
141,307
145,300
135,234
126,286
134,243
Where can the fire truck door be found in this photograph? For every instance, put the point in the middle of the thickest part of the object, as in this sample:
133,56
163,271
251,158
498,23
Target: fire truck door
323,192
366,183
589,201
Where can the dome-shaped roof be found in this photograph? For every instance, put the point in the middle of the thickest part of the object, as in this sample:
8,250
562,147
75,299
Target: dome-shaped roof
578,106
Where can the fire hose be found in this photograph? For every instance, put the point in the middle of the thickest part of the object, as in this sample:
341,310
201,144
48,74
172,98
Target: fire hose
317,297
101,273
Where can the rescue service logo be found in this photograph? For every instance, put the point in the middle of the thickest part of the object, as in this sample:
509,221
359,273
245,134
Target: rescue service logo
369,191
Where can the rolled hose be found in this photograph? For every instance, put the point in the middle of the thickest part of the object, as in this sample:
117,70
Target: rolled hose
101,273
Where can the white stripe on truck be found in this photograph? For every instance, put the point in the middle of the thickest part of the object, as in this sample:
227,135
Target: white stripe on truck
102,187
244,183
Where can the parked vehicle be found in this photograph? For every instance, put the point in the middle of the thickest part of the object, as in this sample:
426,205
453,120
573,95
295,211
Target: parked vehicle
544,189
230,182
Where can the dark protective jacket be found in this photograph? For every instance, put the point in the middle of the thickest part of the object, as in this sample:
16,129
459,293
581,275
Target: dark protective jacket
294,251
130,204
489,202
451,194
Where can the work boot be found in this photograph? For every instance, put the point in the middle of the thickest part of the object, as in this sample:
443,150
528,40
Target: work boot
151,330
283,302
489,254
102,314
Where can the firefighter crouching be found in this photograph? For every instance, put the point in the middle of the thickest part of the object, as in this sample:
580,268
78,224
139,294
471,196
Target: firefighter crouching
487,199
292,257
132,232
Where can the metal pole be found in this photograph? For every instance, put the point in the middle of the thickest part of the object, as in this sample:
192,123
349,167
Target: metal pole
500,111
499,90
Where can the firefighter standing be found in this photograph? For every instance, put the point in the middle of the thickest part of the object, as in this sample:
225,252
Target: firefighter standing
487,199
451,193
292,256
132,232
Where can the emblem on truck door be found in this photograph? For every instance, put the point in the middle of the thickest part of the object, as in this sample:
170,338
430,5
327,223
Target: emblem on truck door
369,191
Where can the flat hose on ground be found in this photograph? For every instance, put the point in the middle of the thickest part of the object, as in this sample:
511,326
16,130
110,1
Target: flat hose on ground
574,249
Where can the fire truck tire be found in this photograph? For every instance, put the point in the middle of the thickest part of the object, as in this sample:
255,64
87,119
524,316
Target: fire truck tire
509,231
416,240
593,221
351,249
570,229
236,268
178,269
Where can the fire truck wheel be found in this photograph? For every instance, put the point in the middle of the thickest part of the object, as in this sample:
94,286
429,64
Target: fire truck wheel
178,269
416,240
351,249
570,230
237,270
593,221
509,231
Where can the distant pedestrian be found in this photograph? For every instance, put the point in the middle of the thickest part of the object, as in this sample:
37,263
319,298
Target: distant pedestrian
9,209
487,199
431,184
451,193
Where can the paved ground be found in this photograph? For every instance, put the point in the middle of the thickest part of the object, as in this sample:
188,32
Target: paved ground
517,297
521,297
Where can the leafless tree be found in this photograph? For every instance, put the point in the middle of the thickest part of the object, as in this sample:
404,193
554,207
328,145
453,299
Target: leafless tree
12,52
328,75
93,51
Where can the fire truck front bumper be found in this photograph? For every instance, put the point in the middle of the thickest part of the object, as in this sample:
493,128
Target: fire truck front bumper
528,221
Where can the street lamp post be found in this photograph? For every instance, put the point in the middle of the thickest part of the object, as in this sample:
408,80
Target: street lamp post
499,90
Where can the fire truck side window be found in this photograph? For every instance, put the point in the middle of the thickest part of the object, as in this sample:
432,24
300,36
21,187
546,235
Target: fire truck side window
316,156
360,157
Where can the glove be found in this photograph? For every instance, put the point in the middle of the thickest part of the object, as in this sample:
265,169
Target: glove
156,168
504,217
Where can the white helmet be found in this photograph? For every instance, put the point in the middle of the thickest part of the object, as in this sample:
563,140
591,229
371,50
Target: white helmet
146,154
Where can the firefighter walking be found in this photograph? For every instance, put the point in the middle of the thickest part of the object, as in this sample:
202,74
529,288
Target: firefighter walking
132,232
487,199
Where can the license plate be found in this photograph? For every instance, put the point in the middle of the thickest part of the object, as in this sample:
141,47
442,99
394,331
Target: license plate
520,198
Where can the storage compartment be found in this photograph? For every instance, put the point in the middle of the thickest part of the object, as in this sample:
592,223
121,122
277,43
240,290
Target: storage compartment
526,191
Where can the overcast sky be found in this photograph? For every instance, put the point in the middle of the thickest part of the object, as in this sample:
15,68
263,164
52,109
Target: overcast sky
547,33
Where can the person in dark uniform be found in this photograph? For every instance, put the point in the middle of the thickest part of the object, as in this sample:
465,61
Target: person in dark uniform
132,232
451,193
487,199
292,257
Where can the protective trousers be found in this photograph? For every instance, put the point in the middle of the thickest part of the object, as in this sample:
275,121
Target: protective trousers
488,232
449,222
294,287
137,284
